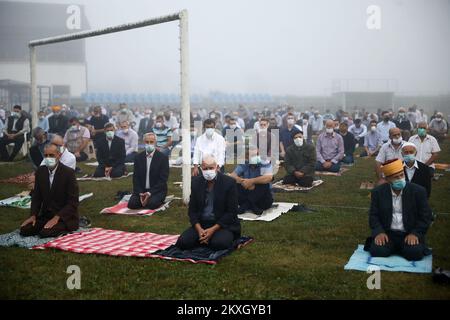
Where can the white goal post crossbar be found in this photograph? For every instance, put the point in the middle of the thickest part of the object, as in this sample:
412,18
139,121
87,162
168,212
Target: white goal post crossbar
184,76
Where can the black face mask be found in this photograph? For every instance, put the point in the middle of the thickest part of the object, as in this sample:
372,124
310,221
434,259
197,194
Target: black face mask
386,119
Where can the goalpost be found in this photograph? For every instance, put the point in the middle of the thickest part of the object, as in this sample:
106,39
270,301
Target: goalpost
182,16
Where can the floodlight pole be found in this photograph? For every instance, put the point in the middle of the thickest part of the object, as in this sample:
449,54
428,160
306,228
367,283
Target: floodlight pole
184,82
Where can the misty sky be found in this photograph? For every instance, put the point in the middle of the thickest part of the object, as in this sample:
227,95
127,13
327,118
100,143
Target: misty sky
277,47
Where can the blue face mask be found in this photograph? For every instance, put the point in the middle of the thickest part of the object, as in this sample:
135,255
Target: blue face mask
149,148
408,158
255,160
399,184
422,132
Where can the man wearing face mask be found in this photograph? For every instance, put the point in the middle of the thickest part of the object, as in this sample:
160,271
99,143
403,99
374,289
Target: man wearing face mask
210,143
286,134
306,127
66,157
349,143
399,216
316,123
110,155
253,182
403,123
389,151
213,209
16,127
329,149
131,140
54,203
438,127
41,139
58,122
372,141
235,137
43,121
427,146
151,171
359,131
76,139
146,123
163,136
124,114
385,125
415,171
97,122
300,161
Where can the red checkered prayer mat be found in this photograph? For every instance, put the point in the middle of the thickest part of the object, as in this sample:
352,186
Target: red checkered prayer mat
112,242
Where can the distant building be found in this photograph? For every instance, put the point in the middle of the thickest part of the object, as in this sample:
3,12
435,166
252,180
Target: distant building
61,68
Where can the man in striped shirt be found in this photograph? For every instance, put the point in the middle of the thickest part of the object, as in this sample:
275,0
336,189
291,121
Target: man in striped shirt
163,136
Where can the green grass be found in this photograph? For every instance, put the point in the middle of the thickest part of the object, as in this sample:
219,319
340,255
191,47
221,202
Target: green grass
297,256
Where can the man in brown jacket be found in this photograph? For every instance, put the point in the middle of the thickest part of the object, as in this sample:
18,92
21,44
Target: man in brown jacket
54,203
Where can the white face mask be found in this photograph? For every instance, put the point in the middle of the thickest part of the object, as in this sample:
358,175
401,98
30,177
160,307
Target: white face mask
125,131
209,174
233,126
397,141
290,121
158,125
329,130
298,142
50,162
209,132
373,129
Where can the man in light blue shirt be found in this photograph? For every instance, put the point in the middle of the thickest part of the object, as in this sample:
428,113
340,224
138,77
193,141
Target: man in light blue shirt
253,180
384,126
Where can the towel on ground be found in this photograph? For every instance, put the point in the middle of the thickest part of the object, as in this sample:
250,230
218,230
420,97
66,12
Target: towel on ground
122,208
280,187
95,164
200,254
15,239
278,208
327,173
24,202
87,177
112,242
362,260
27,178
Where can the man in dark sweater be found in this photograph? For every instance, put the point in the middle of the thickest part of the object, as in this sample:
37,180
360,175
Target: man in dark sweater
300,161
349,143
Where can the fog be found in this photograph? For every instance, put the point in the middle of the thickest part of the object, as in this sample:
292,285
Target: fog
276,47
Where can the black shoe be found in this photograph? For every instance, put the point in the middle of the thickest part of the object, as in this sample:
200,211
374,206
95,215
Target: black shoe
257,211
301,208
441,276
243,208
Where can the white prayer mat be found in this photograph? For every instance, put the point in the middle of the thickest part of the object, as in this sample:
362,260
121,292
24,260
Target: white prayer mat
290,187
87,177
278,208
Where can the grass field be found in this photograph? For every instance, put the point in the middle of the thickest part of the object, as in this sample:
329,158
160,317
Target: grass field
297,256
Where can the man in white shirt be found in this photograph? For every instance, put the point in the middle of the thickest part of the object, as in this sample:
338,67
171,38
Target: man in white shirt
209,143
427,146
359,131
131,139
16,127
67,158
76,139
384,126
389,151
399,216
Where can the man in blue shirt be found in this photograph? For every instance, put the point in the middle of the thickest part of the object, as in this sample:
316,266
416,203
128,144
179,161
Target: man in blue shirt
253,180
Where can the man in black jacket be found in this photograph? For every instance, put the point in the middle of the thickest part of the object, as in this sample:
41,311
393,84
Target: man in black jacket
399,215
213,208
151,171
58,123
416,171
16,127
146,124
54,204
110,155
